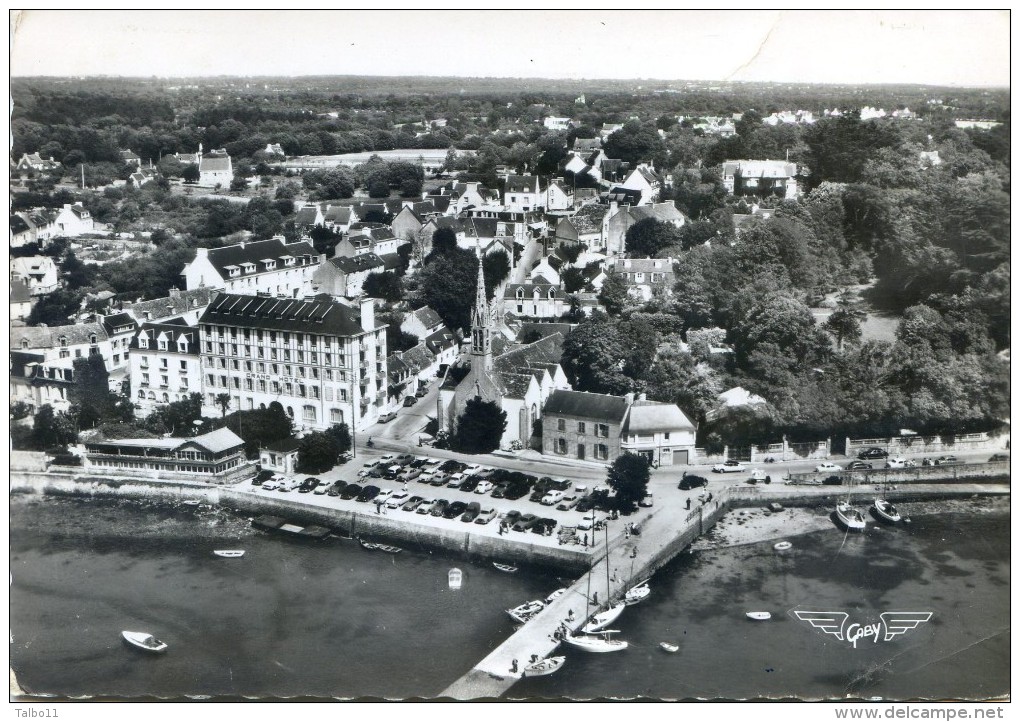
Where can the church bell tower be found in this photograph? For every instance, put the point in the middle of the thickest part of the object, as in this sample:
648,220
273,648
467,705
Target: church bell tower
481,325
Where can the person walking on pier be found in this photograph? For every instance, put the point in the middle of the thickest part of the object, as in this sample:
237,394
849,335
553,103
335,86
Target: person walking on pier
585,540
513,666
688,502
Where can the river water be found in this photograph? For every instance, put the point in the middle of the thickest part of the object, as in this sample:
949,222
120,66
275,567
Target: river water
329,619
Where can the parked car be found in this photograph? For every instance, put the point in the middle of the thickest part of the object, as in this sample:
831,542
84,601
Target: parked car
729,465
387,460
409,474
337,488
271,485
692,482
589,520
418,463
998,457
454,510
499,491
451,466
568,502
383,495
834,480
485,516
944,460
351,491
377,472
410,401
308,485
421,392
412,504
439,478
857,465
828,466
543,526
366,469
515,490
470,512
470,483
426,506
403,459
485,473
511,517
387,417
439,507
873,453
524,523
455,480
368,493
484,487
289,485
322,487
262,477
899,463
647,501
553,497
397,500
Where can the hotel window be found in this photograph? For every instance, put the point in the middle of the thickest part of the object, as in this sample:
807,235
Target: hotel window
327,359
309,413
223,348
233,349
286,354
343,394
210,380
336,416
261,368
288,388
247,366
223,382
145,378
329,393
164,380
235,364
301,371
260,352
287,371
561,424
208,346
273,354
301,390
580,427
236,382
184,366
262,386
247,350
315,392
561,445
602,430
300,357
164,363
313,357
315,372
272,337
221,363
249,384
601,451
276,369
274,387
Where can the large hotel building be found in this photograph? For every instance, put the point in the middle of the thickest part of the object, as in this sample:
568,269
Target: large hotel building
322,360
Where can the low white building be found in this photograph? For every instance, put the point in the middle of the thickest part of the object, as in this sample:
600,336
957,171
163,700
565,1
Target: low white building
660,432
73,221
39,273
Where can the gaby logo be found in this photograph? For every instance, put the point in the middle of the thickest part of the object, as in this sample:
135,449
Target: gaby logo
892,624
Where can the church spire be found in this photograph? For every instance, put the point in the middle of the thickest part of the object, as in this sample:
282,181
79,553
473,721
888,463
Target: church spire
481,321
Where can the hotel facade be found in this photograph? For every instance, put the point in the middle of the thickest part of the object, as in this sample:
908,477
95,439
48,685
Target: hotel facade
324,361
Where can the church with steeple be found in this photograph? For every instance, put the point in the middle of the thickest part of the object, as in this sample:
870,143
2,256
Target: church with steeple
519,378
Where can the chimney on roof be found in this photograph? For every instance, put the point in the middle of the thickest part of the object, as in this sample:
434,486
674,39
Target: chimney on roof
175,293
629,397
368,314
201,253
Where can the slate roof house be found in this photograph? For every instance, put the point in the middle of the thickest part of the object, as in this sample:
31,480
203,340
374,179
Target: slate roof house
345,275
215,169
272,267
760,178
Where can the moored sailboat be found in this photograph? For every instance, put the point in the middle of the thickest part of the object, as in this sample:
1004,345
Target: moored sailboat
544,666
885,511
597,644
603,619
850,517
637,593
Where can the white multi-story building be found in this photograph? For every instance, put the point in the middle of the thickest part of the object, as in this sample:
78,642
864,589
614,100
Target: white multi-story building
322,360
271,267
165,365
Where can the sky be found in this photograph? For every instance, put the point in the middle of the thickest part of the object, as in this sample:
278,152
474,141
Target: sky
930,47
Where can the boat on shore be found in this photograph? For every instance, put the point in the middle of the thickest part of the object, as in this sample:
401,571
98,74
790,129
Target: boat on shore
850,517
526,611
782,546
596,644
556,595
144,641
759,616
602,620
229,553
276,523
885,511
191,502
543,667
637,593
508,568
669,647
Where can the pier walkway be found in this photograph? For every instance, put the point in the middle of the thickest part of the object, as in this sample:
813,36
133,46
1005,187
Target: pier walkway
631,559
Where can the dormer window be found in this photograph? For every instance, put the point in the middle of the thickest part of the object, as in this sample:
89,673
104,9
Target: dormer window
24,343
93,339
63,341
520,293
162,345
552,293
143,342
182,346
249,267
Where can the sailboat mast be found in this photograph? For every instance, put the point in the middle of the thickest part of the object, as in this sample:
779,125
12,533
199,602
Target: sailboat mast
609,589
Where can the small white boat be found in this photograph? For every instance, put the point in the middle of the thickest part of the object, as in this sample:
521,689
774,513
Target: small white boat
508,568
544,667
144,640
603,619
229,553
759,616
599,645
782,546
526,611
455,577
637,594
191,502
668,647
886,511
556,595
849,517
